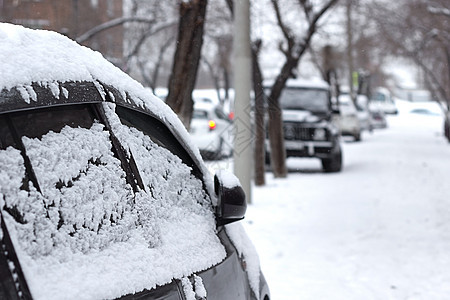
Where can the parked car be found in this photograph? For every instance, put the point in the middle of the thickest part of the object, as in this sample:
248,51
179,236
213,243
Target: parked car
307,123
211,130
102,196
363,112
382,100
349,124
378,119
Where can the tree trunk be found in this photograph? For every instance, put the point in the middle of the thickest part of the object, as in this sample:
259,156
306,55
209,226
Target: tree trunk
259,149
186,59
226,81
276,134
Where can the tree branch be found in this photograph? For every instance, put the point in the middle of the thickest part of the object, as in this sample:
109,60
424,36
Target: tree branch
307,8
438,11
112,23
145,36
284,29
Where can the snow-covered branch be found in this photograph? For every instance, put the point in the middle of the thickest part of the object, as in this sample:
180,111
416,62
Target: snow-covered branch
438,11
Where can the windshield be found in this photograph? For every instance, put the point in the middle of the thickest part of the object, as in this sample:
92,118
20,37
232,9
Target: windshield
305,99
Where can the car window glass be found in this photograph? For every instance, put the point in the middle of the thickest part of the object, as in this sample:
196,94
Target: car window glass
159,134
5,135
304,99
35,123
81,207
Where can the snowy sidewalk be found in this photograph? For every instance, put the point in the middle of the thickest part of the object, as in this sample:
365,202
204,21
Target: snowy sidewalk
378,230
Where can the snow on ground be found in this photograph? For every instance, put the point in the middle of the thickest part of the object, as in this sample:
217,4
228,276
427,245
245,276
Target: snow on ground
378,230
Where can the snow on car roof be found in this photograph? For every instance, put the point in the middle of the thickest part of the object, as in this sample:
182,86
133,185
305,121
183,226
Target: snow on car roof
46,57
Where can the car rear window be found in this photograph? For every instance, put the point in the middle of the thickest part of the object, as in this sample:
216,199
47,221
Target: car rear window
78,227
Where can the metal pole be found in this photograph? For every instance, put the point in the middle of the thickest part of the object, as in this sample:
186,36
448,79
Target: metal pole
242,85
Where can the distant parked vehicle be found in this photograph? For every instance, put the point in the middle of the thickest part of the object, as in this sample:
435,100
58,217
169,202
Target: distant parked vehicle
348,120
307,123
211,130
382,100
363,112
378,119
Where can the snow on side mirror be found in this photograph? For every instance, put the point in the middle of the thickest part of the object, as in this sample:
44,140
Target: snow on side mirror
231,205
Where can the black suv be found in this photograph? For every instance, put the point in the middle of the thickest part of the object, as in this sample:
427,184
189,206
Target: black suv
307,123
101,196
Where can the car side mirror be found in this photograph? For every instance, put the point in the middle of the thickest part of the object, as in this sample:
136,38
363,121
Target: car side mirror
231,205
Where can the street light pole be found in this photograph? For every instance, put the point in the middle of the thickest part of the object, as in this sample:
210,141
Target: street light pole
242,85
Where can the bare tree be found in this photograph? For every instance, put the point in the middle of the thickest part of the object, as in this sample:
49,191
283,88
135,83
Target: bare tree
151,78
418,30
293,48
187,58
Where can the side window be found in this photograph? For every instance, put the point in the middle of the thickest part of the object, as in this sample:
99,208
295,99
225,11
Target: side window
76,203
158,133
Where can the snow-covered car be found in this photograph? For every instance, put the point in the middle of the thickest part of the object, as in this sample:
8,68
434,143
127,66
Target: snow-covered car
307,123
211,130
382,100
348,119
102,195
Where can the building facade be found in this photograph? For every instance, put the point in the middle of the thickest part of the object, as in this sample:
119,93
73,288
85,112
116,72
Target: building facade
72,18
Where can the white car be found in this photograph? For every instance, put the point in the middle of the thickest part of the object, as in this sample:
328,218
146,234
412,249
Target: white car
382,100
348,120
211,130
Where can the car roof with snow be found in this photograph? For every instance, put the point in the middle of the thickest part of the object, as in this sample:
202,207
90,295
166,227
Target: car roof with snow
46,68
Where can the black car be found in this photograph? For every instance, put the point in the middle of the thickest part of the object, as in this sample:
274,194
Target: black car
101,195
309,130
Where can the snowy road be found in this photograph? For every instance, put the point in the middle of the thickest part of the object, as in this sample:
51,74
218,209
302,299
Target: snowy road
378,230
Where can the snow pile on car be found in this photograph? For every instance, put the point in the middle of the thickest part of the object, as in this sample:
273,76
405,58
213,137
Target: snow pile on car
47,58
